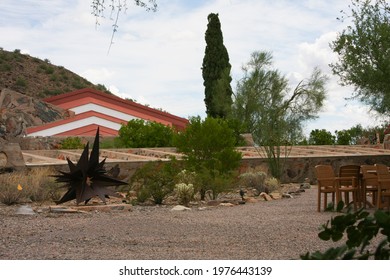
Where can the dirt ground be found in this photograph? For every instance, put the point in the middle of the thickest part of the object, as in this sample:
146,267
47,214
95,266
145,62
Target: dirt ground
279,229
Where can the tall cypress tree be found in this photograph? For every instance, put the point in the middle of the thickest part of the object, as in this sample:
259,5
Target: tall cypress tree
216,71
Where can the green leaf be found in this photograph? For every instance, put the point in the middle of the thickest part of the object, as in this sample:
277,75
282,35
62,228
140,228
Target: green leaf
324,235
340,206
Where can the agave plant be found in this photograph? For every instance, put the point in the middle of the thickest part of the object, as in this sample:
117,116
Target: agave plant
87,178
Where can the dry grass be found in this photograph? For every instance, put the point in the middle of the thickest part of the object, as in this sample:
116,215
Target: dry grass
36,185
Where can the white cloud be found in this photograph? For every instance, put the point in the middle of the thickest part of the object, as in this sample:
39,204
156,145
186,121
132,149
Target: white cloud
156,58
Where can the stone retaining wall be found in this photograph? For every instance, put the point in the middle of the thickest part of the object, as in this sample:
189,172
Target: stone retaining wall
297,169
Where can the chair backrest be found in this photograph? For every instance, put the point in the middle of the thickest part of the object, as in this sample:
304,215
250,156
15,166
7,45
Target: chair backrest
348,172
325,175
382,172
369,178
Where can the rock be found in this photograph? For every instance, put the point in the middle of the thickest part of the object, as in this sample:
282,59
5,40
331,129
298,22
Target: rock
275,195
305,186
24,210
213,203
18,111
180,208
287,195
251,200
11,156
266,197
226,204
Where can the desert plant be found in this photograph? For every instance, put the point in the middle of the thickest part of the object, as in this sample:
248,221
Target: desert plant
21,82
209,150
185,193
360,228
34,185
141,134
214,181
155,180
10,193
41,186
271,184
71,143
253,180
259,181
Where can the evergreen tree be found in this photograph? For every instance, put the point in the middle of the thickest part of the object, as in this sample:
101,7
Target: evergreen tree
216,71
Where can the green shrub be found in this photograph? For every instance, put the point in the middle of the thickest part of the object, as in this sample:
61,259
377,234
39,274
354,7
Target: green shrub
155,180
71,143
209,149
21,82
217,182
111,143
141,134
271,184
360,228
253,180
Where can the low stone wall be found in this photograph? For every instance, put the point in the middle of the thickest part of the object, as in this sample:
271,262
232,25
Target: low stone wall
297,169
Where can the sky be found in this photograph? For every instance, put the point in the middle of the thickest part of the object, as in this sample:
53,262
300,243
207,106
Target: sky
156,57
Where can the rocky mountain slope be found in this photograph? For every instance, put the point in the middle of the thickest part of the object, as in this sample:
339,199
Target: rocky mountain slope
36,77
18,111
24,82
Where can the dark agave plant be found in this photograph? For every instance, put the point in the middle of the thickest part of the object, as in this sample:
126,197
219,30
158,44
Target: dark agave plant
87,178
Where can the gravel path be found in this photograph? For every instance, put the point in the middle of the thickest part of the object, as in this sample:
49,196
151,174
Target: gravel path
280,229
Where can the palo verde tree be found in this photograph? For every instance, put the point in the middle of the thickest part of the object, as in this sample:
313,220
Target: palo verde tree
271,111
364,53
216,71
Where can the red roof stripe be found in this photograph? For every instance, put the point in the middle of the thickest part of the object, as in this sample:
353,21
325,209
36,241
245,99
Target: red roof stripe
113,100
89,130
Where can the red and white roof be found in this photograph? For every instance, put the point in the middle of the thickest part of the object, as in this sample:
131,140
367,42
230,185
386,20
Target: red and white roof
93,108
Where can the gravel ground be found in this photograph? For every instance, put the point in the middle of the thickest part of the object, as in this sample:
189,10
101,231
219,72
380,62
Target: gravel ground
279,229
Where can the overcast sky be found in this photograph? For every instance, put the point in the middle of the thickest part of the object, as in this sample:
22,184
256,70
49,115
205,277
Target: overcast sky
156,58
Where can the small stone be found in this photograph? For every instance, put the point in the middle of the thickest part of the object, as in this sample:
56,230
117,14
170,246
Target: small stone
25,210
180,208
213,203
227,204
287,195
305,186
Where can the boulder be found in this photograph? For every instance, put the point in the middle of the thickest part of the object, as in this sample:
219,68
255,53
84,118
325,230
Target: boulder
266,196
19,111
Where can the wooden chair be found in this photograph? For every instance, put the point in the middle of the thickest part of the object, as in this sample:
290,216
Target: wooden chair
369,184
349,182
383,185
327,184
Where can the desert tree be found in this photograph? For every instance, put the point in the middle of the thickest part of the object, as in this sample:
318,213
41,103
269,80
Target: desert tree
271,111
363,50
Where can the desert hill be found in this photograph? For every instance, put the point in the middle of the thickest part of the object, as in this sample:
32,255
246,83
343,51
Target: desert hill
38,78
24,82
